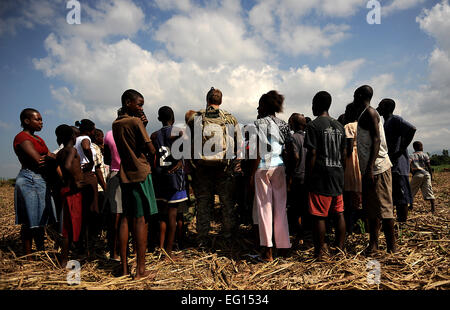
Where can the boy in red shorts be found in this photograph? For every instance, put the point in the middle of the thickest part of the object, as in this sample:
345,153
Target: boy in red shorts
325,141
71,198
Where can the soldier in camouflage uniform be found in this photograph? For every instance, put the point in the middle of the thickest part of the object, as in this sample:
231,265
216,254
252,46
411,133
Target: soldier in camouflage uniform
214,173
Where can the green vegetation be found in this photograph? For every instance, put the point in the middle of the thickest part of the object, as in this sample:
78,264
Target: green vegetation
440,168
7,182
440,160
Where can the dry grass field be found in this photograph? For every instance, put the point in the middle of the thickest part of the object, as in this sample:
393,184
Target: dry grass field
422,262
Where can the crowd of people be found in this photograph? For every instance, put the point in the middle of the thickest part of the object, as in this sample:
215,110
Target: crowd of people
282,178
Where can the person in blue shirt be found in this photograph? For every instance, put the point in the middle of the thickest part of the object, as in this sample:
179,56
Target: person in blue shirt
170,184
399,135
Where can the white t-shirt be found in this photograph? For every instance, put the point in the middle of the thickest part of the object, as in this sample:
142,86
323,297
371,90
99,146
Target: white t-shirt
79,148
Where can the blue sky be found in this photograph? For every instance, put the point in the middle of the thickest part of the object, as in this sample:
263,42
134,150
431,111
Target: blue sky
173,51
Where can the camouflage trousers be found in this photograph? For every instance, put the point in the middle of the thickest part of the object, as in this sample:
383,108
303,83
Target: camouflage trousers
209,181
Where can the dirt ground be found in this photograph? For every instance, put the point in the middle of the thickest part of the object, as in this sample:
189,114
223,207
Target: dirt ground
422,262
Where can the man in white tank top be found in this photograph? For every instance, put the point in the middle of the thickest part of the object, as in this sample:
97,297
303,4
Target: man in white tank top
375,170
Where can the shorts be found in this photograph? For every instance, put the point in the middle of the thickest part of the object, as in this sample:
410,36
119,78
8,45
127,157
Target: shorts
377,199
422,181
320,205
72,213
138,199
113,194
401,190
163,208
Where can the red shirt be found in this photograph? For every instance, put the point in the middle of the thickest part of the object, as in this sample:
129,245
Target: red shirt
38,143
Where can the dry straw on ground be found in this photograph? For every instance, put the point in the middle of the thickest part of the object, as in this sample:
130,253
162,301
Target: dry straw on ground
422,262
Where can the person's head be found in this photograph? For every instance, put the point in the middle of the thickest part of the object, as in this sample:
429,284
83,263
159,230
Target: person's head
165,115
362,96
418,146
98,137
119,112
31,119
297,122
86,126
76,131
351,114
65,134
386,107
308,119
214,97
270,103
321,103
188,115
132,102
341,119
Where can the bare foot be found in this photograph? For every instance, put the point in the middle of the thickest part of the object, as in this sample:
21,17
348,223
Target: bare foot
146,275
267,255
371,249
392,250
124,271
63,263
172,257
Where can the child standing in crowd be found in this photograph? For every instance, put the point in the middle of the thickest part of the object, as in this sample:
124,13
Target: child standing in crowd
352,173
71,198
32,200
269,176
170,187
325,140
91,175
297,189
113,193
422,174
133,143
103,170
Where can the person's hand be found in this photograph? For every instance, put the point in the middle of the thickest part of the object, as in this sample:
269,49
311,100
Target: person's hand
42,161
144,119
368,176
87,167
178,166
237,169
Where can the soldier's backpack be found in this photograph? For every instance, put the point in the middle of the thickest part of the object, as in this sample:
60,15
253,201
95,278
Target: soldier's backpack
217,141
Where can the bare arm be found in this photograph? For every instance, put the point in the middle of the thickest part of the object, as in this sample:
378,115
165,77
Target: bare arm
407,138
28,148
374,131
150,147
311,160
86,145
100,178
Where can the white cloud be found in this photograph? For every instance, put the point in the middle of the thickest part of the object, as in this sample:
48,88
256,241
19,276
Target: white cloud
5,125
399,5
26,14
436,22
182,5
210,36
281,24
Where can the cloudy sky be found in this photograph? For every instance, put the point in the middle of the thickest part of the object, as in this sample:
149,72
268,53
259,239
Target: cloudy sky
173,51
